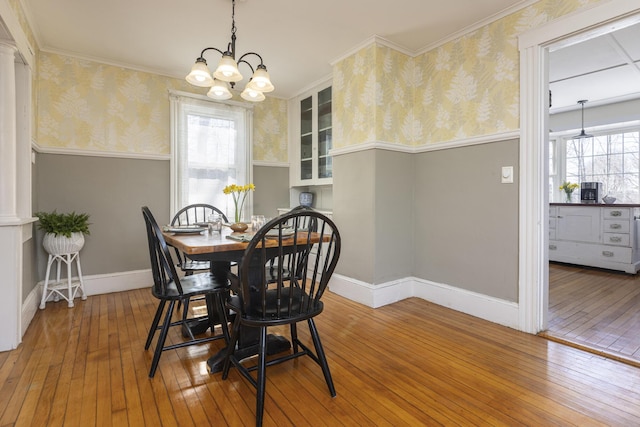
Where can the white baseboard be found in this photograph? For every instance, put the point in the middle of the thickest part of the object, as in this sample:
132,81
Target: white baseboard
485,307
93,285
478,305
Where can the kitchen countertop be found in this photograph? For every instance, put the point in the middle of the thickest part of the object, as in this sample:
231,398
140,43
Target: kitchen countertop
600,205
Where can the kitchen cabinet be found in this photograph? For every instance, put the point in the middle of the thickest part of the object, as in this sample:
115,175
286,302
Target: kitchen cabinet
595,235
311,130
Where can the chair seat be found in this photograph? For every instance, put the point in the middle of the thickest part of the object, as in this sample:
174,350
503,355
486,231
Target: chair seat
278,313
197,284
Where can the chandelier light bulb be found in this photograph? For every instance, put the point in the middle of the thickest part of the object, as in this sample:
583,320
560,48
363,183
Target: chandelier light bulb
252,95
260,80
219,91
200,74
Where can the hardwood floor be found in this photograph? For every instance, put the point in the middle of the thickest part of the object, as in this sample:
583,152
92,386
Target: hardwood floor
597,310
410,363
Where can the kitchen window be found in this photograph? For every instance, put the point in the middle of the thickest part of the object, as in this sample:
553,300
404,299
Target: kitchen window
210,150
612,158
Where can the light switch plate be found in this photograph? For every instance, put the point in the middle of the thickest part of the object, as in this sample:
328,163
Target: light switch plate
507,174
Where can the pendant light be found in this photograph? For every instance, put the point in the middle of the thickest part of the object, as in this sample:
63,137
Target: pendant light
582,134
227,72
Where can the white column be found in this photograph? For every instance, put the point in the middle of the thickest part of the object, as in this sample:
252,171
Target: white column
10,227
8,160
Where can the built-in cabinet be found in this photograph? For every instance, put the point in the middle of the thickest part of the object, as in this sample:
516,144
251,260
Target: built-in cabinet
311,130
595,235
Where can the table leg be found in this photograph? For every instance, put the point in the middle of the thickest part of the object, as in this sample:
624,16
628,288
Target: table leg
248,346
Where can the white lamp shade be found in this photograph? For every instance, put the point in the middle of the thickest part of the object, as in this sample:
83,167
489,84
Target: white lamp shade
252,95
261,81
219,91
227,70
200,74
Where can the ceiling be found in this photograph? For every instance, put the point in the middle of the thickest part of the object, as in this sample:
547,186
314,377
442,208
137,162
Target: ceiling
601,70
298,39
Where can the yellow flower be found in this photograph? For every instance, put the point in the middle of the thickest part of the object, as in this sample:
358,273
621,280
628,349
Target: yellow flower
568,187
239,193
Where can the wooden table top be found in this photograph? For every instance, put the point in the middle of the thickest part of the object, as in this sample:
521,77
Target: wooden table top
205,243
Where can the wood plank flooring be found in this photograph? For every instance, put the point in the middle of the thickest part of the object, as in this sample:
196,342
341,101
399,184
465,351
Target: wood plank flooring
411,363
595,309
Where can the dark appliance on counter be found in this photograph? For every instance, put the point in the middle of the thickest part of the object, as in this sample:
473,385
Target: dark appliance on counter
591,192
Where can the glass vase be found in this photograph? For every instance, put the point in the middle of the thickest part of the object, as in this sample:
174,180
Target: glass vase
568,197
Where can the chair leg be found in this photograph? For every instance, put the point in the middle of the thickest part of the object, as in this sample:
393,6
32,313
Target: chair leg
154,324
224,320
262,376
321,356
161,339
230,348
294,337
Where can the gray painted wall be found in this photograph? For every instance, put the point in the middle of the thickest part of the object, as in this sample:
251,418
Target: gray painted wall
441,216
373,209
353,213
466,227
112,191
272,190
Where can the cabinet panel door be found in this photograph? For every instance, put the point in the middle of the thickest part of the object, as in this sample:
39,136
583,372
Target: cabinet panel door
579,224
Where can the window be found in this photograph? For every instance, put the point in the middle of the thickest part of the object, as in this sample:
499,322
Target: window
611,158
210,150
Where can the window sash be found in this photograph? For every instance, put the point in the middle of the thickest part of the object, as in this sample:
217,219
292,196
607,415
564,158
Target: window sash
210,150
611,157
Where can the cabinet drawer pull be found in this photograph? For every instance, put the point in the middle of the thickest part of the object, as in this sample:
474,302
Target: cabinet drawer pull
615,239
553,247
615,226
616,213
607,253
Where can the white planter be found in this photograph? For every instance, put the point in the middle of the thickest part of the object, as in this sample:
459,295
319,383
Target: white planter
59,245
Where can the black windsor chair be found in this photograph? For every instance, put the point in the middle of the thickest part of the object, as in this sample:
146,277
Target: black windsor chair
168,287
190,215
305,261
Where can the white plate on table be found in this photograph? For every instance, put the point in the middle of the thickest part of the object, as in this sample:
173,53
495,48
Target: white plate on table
185,229
275,233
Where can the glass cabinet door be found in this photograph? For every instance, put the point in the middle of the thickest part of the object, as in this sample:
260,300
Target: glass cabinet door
315,135
306,138
324,133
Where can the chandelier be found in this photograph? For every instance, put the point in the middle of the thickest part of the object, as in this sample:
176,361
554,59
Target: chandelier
227,72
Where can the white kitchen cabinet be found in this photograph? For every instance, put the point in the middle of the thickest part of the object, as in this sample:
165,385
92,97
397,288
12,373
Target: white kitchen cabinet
595,235
311,133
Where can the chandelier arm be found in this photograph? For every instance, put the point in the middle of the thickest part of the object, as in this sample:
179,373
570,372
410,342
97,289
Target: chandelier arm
210,48
242,60
250,53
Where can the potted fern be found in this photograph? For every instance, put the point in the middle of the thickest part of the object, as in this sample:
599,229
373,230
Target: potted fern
64,232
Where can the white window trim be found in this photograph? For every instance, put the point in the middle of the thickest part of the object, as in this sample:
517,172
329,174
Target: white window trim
174,98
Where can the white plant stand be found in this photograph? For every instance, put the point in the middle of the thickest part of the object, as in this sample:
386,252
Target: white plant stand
67,289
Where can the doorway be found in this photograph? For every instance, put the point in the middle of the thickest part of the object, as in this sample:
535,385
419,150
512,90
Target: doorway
534,168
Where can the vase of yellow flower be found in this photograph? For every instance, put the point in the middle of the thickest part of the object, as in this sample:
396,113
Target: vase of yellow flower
568,189
239,193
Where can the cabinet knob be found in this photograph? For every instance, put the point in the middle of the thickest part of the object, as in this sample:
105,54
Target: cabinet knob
615,226
616,213
553,247
607,253
615,239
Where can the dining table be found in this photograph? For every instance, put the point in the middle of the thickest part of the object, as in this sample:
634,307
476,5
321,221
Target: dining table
221,249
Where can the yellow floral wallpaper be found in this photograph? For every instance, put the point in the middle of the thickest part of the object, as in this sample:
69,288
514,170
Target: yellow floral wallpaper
270,131
465,88
90,106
